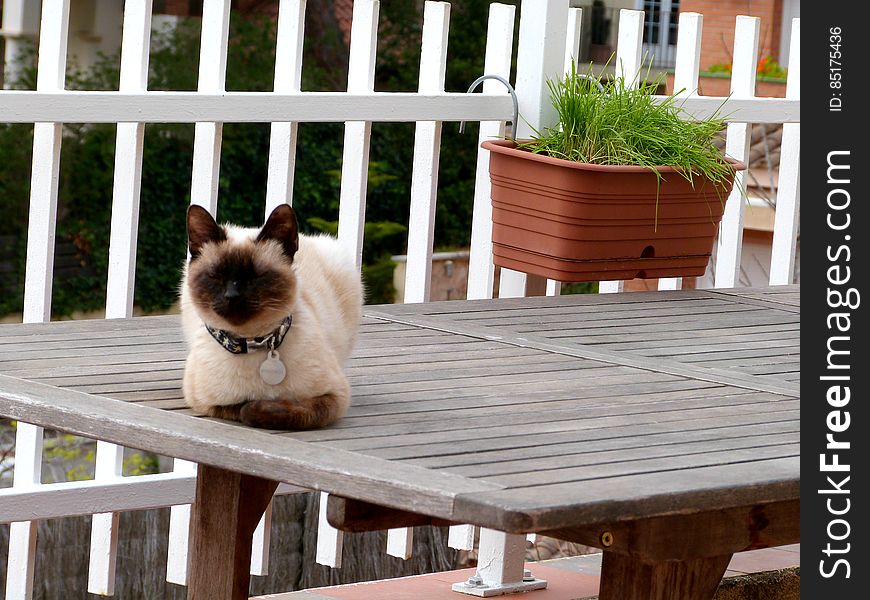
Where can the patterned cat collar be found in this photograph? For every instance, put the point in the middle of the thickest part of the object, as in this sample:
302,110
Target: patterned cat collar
239,345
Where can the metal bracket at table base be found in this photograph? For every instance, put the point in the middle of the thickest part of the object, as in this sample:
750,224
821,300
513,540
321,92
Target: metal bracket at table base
482,590
500,567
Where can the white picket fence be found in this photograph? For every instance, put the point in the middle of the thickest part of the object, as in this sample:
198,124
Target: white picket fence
546,47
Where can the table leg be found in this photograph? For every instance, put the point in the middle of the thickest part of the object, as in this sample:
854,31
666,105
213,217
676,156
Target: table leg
626,577
227,509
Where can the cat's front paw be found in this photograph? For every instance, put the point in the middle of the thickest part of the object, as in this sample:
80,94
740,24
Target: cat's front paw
308,413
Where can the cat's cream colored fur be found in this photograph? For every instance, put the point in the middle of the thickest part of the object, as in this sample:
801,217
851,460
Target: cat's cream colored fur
326,312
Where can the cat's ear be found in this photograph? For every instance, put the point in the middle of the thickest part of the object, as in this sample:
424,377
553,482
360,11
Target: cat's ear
201,229
282,227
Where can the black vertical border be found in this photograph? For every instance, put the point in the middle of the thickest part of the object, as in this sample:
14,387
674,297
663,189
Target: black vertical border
824,131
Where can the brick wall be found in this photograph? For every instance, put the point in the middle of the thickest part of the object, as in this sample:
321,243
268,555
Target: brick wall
719,16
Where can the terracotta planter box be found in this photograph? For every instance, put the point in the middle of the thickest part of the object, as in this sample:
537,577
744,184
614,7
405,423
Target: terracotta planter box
572,221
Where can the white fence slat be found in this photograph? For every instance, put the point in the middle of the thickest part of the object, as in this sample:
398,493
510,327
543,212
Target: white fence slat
206,165
427,146
497,61
203,191
728,248
104,526
122,266
540,56
572,50
400,542
355,153
610,287
686,70
213,46
572,40
125,219
424,191
179,530
688,60
22,559
629,58
135,45
212,78
330,540
288,80
22,535
260,544
51,73
629,49
279,183
42,221
461,537
50,77
788,189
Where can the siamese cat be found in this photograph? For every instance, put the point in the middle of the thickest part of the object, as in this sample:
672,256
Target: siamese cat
269,316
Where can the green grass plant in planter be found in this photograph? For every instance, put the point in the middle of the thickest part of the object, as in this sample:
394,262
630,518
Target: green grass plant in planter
625,185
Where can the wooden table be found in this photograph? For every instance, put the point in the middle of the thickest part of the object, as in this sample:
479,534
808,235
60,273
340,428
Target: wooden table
662,427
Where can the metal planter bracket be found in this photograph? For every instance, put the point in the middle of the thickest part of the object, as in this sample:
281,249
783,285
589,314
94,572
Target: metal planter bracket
512,92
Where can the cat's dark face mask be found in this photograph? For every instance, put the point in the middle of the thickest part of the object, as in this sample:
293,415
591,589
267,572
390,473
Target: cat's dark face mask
245,284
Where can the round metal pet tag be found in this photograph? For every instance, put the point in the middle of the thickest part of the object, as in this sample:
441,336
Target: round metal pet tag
273,371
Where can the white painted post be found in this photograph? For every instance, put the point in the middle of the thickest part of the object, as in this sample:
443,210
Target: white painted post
500,567
501,557
497,61
203,191
427,146
540,56
355,156
330,542
739,135
51,73
788,189
122,266
687,67
629,60
288,80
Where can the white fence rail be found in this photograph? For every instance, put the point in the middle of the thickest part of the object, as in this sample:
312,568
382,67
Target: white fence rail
545,48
